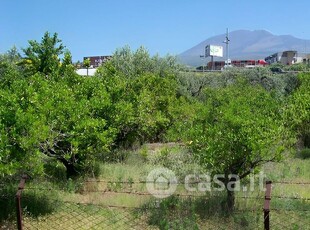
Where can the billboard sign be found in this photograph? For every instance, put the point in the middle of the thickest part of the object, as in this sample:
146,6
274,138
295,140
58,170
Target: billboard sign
215,51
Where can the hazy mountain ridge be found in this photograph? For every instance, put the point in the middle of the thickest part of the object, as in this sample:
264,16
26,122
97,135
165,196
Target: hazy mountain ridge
246,44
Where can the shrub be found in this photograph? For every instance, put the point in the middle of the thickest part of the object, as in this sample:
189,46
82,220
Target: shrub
172,213
305,153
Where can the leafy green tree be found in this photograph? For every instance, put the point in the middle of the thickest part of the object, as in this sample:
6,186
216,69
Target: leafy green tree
43,57
56,118
86,64
66,67
11,56
144,87
235,130
298,110
14,157
134,63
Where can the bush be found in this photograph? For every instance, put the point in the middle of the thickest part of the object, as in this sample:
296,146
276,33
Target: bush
305,153
7,201
172,213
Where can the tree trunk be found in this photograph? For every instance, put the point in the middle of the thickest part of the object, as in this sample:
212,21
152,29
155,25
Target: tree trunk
71,171
230,188
230,200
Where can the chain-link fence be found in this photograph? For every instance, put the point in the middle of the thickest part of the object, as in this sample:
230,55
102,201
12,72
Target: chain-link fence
173,213
124,205
289,219
290,205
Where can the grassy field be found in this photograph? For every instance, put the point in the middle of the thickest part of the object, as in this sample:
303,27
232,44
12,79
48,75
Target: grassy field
118,199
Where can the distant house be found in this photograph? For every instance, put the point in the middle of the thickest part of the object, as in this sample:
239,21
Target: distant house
96,61
304,58
83,72
286,57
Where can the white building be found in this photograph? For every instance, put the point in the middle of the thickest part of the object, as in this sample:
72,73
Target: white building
83,72
288,57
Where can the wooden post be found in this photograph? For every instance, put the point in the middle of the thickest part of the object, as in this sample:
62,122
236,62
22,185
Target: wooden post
267,205
18,203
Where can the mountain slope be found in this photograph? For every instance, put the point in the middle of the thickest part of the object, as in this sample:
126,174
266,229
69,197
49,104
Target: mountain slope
245,44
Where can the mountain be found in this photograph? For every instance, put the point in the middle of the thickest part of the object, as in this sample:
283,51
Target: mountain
245,44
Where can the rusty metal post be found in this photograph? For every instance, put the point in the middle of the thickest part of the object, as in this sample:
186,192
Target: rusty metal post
18,202
19,211
267,205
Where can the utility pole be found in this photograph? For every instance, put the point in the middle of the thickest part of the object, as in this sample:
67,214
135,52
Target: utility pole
227,50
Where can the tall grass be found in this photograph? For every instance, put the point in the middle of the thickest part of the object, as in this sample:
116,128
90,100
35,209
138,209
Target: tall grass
56,203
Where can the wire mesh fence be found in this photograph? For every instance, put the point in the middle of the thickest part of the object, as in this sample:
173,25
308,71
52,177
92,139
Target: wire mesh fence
126,205
87,216
173,214
289,219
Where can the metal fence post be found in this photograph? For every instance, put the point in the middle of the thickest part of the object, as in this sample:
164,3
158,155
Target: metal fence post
267,205
18,202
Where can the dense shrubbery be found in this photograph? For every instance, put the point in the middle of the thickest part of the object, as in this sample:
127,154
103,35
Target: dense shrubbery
77,121
298,110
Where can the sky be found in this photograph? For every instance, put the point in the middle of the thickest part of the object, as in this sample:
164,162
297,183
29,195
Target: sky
99,27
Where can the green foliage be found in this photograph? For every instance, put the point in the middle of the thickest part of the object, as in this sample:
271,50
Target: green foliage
276,67
233,129
11,56
192,85
305,153
297,112
66,67
142,88
132,64
7,201
36,201
9,69
86,62
43,57
173,213
53,117
231,125
177,158
80,120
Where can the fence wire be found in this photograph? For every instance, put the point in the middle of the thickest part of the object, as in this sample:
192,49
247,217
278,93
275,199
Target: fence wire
86,216
70,215
289,219
136,209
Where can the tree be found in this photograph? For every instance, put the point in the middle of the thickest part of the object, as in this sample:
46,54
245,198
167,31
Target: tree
54,118
66,67
297,112
235,130
142,88
43,57
86,63
77,121
132,64
11,56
